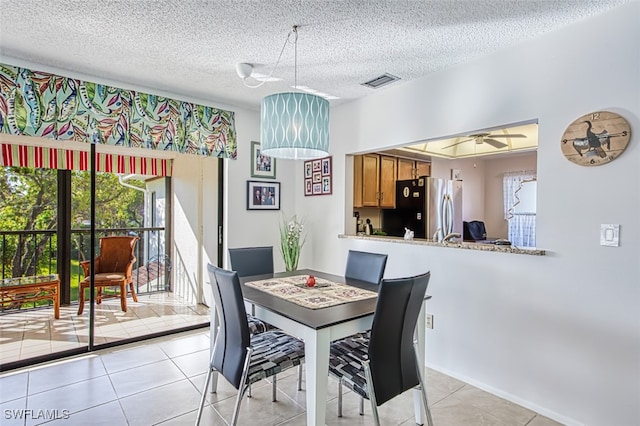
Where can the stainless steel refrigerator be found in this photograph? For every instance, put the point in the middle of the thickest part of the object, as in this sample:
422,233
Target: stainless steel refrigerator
427,206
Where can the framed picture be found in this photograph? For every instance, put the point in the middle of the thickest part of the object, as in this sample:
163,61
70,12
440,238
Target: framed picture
456,174
318,177
326,166
263,195
326,185
262,166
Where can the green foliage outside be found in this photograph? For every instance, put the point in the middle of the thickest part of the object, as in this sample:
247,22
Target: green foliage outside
28,202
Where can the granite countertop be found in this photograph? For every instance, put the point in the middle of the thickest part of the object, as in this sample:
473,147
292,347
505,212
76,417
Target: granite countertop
454,244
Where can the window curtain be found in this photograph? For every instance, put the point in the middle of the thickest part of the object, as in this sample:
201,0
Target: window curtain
34,103
522,229
522,226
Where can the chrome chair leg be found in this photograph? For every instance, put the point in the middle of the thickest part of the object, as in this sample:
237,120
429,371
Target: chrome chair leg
370,391
300,377
361,406
242,388
273,388
423,388
204,392
340,397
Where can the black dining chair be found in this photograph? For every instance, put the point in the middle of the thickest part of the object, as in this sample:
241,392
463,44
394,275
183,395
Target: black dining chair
240,357
365,266
386,363
249,261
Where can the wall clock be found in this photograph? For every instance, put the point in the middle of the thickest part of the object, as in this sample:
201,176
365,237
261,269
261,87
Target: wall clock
596,138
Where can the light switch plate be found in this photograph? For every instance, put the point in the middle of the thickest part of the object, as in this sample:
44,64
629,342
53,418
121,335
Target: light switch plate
609,235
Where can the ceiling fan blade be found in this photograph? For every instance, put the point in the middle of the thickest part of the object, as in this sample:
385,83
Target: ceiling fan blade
517,135
457,143
494,143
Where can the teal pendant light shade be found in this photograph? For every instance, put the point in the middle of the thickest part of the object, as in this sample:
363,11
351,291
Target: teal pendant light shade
294,126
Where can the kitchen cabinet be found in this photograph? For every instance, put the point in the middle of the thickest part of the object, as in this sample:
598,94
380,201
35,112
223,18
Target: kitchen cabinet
410,169
374,181
423,169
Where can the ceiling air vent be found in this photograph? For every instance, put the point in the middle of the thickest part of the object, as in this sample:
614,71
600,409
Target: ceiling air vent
383,80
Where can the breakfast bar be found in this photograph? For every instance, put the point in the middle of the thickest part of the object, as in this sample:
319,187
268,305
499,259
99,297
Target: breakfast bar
451,244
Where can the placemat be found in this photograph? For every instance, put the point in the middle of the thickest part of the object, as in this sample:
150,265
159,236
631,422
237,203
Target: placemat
323,295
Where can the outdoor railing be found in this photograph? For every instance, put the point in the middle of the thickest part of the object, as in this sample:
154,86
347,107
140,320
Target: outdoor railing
35,253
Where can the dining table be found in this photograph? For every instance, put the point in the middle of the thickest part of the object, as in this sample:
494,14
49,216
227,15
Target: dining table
318,326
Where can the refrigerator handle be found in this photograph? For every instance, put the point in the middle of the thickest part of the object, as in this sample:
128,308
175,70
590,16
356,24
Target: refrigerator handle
443,215
447,214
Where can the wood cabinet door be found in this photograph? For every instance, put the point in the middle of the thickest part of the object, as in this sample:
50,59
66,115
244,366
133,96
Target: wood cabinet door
388,181
424,169
357,181
370,180
406,169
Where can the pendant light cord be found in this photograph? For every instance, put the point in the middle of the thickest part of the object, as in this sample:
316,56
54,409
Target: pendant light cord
295,44
295,56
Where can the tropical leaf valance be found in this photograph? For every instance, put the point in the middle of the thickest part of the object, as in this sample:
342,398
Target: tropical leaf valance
34,103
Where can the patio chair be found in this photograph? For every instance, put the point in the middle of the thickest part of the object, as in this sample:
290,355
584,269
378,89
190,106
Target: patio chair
240,357
112,270
386,363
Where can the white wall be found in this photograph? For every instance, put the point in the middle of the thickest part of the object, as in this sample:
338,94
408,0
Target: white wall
196,199
558,333
255,227
187,227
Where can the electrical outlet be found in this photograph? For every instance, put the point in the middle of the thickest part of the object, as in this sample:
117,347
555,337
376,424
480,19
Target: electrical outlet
429,320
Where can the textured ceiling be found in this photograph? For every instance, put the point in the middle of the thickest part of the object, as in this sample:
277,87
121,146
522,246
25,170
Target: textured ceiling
190,48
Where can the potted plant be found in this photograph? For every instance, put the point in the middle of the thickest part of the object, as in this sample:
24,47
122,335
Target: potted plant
291,241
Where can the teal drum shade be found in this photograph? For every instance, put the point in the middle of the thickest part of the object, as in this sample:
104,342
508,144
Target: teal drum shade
294,126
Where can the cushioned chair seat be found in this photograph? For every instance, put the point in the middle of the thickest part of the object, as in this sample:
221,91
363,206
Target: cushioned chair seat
108,276
273,352
256,326
346,362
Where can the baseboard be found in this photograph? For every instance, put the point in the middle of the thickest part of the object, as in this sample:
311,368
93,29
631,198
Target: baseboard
509,397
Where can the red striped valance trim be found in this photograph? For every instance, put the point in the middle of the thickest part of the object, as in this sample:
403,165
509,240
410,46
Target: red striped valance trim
59,158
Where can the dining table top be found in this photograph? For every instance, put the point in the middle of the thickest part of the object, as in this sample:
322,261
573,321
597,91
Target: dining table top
313,318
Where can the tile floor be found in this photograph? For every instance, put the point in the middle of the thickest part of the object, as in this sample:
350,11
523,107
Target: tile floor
28,333
159,382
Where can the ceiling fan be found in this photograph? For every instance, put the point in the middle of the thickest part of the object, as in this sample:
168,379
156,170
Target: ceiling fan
481,138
